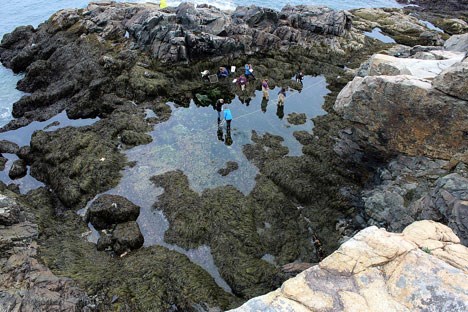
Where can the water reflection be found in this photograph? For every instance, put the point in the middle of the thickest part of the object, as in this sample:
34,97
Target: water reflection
193,141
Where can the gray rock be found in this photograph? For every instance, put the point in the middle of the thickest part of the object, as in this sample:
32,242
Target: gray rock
127,236
454,80
18,169
457,43
111,209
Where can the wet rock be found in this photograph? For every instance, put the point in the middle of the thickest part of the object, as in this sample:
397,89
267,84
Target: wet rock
127,236
8,147
107,210
230,167
457,43
297,119
408,265
18,169
14,188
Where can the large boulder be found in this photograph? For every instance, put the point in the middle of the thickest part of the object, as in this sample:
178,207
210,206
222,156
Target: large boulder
424,268
403,114
111,209
8,147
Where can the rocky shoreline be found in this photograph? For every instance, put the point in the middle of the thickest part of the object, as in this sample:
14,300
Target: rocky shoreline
391,150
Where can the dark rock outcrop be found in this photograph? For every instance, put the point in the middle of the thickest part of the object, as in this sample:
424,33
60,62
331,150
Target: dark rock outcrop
8,147
111,209
18,169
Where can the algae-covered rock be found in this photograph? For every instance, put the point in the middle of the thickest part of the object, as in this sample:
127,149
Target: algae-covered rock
107,210
297,119
127,236
133,138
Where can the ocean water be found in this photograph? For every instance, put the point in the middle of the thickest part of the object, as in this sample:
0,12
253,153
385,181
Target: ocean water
33,12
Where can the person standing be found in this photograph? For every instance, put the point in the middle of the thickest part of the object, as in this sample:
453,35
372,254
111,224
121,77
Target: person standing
219,107
227,117
281,96
265,89
299,77
242,81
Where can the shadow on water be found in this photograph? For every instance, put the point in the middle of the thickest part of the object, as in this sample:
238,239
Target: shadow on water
190,141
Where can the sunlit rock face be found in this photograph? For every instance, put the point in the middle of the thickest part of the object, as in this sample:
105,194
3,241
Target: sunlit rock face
424,267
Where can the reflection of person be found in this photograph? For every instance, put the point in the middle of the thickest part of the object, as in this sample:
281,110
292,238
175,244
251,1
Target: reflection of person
264,105
249,71
227,117
228,139
280,111
265,89
220,133
299,76
219,107
223,72
281,96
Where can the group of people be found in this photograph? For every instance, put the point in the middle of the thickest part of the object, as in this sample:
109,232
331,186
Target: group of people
224,112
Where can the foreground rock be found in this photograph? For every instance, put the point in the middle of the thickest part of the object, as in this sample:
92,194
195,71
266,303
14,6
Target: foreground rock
424,268
26,284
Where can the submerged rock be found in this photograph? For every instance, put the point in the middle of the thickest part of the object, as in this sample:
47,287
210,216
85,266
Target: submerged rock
107,210
297,119
423,268
230,167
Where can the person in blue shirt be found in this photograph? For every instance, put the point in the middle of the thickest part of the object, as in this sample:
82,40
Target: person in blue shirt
249,71
227,117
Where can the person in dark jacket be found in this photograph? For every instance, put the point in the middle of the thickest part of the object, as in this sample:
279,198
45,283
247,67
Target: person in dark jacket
219,107
299,77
